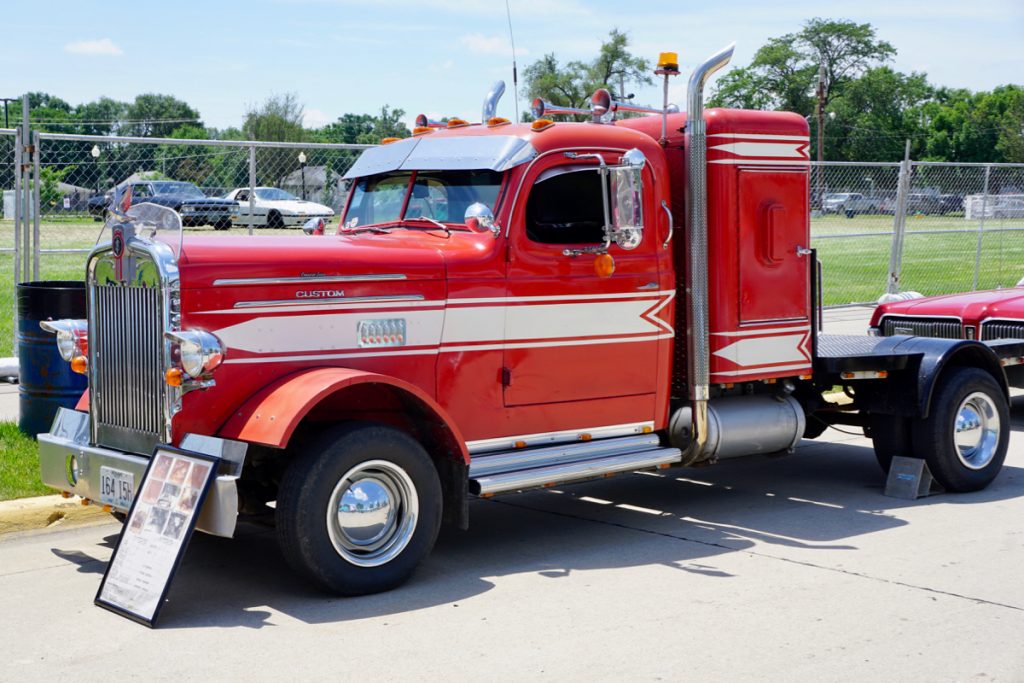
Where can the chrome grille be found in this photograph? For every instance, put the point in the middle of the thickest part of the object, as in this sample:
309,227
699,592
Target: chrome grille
923,327
1002,329
127,345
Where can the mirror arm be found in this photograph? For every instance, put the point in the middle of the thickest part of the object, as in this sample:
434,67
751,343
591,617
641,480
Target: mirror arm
671,228
607,230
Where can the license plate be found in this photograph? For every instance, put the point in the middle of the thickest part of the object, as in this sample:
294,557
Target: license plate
117,487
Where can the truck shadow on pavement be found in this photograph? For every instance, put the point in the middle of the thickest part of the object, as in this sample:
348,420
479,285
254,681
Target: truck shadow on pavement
821,498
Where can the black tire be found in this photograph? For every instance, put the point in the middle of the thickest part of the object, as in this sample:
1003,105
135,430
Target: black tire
963,394
313,484
890,435
224,224
274,220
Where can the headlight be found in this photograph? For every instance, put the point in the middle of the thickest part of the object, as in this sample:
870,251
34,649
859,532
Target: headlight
187,208
72,336
201,351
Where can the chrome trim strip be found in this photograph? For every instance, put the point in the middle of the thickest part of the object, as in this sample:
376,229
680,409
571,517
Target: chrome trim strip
328,302
227,282
566,436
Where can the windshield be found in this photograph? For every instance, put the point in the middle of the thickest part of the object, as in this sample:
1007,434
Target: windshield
183,189
273,194
440,195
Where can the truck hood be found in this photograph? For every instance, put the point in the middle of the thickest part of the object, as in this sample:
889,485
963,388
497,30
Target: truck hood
971,307
205,260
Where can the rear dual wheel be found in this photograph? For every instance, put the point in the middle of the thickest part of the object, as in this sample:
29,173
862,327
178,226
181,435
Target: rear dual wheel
963,439
358,508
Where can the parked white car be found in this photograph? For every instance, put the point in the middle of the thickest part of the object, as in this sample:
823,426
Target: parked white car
275,208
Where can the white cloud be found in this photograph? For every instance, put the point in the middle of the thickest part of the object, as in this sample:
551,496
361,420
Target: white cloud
103,47
315,118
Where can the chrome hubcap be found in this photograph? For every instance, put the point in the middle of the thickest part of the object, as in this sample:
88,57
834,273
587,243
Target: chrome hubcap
372,513
976,432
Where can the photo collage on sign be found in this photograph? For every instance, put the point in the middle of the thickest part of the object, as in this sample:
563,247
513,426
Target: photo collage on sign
169,497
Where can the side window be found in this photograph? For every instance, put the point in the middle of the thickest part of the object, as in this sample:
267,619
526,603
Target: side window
566,207
141,191
242,196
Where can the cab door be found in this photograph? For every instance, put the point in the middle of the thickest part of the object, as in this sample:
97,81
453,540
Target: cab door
571,334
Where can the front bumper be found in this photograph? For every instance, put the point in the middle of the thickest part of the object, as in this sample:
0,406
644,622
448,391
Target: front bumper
293,220
68,462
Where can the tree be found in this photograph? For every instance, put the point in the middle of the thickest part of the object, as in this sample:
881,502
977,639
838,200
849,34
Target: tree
845,49
101,117
782,74
614,68
875,114
279,118
153,115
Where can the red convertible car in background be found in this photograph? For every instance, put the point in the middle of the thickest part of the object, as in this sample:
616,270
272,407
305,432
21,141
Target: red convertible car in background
986,315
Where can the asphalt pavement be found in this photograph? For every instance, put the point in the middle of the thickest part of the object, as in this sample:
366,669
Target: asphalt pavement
785,568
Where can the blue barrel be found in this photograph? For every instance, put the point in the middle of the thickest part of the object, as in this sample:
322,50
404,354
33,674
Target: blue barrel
46,380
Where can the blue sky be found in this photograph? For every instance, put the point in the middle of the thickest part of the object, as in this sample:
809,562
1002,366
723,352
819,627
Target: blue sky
440,56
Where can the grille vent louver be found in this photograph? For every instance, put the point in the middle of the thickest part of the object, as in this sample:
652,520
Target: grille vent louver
127,391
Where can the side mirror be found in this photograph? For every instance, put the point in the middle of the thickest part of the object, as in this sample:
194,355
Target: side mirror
314,226
626,218
480,218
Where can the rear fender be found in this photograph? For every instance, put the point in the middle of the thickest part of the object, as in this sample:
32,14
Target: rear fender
272,415
939,354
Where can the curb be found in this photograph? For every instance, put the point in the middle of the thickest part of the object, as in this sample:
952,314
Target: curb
48,512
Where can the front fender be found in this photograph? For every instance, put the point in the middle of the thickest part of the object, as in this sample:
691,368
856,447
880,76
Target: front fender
271,416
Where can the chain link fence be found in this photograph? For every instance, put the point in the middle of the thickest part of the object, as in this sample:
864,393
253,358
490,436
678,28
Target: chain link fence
929,227
878,227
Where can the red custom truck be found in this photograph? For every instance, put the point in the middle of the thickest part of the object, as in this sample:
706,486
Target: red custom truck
502,306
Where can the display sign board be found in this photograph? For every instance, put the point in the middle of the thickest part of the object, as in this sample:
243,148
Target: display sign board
156,532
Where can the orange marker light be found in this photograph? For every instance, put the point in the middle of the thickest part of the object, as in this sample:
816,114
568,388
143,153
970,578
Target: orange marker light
174,377
80,364
604,265
388,141
457,123
497,121
541,124
420,130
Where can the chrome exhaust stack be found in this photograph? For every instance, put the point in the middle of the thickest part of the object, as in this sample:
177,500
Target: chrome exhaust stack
491,101
697,220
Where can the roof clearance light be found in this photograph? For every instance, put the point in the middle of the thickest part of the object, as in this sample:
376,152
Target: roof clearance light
457,123
668,61
497,121
420,130
388,141
542,124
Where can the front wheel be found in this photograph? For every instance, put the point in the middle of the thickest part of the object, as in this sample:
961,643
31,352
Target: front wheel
358,509
965,436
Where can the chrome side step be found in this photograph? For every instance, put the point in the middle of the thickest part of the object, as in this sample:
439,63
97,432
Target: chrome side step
525,469
524,458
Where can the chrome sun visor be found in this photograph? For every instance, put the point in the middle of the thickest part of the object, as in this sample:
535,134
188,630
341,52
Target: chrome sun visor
491,152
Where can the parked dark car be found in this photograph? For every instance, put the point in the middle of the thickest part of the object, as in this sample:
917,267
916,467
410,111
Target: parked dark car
185,198
950,202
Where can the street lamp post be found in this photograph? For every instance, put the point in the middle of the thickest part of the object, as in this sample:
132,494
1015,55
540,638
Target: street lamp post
302,167
95,154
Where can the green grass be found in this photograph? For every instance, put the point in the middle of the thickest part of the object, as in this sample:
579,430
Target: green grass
19,464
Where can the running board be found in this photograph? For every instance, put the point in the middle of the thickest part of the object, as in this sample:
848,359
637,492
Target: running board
550,466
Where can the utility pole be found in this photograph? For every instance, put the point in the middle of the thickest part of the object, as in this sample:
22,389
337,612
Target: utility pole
821,129
5,100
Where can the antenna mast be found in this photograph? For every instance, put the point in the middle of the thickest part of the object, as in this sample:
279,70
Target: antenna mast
515,74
